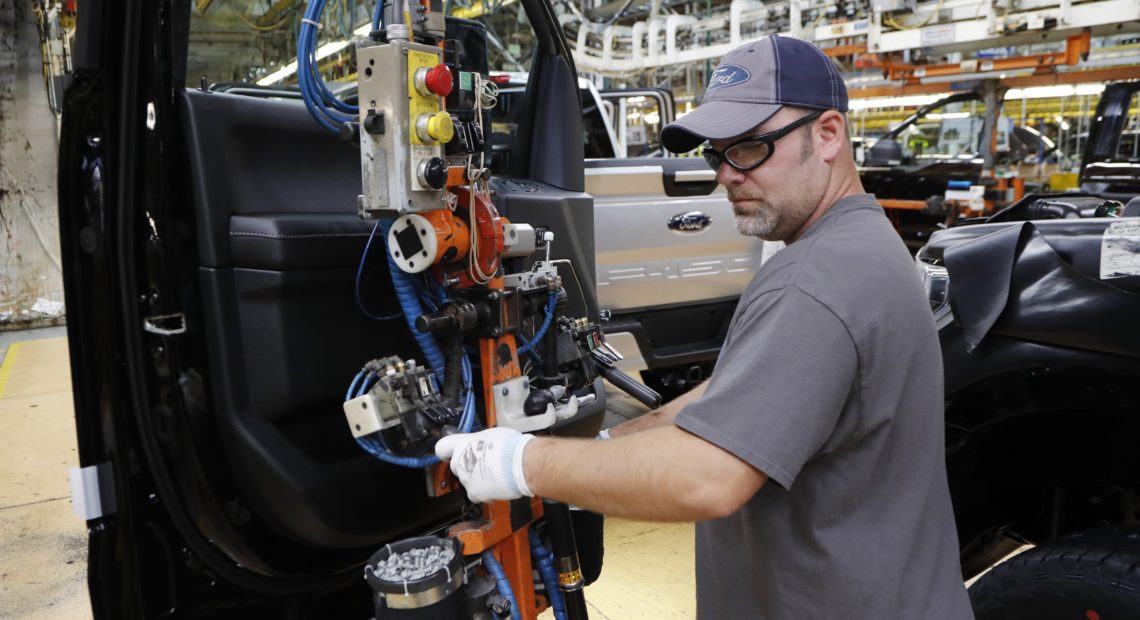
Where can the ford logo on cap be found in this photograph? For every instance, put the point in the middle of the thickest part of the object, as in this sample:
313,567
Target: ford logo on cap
728,75
689,222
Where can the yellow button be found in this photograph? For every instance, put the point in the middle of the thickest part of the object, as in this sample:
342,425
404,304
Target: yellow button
440,127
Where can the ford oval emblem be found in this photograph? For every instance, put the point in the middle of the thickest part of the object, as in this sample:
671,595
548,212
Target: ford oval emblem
690,222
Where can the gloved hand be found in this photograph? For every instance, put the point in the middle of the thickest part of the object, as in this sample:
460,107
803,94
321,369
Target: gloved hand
488,463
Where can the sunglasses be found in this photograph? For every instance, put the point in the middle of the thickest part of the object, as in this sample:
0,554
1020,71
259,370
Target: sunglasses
748,153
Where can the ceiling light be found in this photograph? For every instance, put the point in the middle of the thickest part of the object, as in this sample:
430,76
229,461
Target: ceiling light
895,102
324,51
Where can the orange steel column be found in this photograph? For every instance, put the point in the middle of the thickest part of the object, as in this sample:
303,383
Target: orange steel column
499,361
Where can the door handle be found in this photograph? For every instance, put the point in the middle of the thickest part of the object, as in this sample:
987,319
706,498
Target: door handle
695,176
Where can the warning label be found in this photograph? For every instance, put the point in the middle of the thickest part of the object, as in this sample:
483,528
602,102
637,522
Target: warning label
1120,250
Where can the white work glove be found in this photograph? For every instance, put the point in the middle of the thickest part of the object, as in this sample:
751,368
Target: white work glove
489,463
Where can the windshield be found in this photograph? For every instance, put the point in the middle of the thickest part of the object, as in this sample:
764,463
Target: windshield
951,131
1128,145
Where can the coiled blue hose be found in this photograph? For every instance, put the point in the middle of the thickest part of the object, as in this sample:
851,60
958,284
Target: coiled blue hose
410,294
544,561
493,567
410,302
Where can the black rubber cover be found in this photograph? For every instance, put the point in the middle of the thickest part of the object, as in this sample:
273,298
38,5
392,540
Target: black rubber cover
1013,282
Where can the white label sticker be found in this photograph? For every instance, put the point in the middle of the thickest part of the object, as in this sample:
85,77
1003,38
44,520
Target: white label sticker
1120,250
937,35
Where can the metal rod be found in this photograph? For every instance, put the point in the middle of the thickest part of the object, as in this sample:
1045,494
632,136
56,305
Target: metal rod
565,550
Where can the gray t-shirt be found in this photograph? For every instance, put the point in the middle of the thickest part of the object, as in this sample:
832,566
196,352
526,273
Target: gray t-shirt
830,382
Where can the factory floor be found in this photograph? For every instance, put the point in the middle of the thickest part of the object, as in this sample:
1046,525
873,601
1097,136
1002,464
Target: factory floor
648,571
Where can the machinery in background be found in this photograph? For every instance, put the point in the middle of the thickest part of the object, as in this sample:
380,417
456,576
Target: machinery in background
498,349
952,159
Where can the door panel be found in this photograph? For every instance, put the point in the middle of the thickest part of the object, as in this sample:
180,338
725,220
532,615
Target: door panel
280,244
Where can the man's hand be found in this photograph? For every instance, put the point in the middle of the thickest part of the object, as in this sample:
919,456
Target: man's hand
488,463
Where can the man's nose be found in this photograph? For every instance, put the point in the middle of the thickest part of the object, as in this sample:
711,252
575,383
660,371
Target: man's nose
727,175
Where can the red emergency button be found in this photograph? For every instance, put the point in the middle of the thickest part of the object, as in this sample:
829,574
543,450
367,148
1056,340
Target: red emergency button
439,80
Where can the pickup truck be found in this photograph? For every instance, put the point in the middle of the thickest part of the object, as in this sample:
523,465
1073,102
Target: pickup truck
1036,310
941,145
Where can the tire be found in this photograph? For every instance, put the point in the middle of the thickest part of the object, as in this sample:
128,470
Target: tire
1093,575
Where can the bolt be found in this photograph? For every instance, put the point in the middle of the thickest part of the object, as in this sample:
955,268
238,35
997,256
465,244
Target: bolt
506,391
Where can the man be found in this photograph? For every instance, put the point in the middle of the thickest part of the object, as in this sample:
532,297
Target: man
813,459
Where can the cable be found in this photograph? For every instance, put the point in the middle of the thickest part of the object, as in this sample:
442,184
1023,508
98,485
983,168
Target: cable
378,16
545,324
527,348
324,107
573,272
410,303
493,567
412,294
252,25
410,462
486,98
352,388
544,562
359,277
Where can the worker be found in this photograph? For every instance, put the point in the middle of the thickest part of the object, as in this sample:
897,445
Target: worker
813,459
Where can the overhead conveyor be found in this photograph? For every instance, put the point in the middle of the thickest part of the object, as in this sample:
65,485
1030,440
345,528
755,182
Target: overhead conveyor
943,25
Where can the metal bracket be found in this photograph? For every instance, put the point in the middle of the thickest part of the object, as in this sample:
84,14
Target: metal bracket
92,491
166,324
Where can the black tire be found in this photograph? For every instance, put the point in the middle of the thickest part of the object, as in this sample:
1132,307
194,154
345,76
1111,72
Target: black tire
1093,575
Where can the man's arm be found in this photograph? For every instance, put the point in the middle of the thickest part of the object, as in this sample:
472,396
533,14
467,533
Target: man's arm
660,474
661,416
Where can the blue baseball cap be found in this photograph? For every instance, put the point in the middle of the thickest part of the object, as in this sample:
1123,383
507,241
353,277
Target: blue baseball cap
751,83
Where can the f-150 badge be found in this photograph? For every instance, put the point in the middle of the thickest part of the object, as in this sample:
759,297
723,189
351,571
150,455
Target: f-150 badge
689,222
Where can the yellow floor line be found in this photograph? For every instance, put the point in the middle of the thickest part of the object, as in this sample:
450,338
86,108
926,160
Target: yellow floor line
6,367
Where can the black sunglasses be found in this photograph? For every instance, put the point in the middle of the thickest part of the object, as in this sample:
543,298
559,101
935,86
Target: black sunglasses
748,153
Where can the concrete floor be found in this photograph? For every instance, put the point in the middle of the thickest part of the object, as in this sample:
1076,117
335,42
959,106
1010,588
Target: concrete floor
648,572
43,547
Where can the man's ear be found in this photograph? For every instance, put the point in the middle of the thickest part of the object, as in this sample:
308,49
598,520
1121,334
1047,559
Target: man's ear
832,135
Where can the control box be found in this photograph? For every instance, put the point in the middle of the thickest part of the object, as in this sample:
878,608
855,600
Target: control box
402,87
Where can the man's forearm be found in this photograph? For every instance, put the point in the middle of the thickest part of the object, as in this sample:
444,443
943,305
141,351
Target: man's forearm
662,474
660,416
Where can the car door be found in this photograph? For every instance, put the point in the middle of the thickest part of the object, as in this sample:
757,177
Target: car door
214,258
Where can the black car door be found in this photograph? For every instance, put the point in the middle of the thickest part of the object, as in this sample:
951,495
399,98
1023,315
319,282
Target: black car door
213,256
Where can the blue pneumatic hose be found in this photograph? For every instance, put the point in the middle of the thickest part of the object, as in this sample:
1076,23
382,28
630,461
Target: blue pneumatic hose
544,560
377,16
545,324
410,302
493,567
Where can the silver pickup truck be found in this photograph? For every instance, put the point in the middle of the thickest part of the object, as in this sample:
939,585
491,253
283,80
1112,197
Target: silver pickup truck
670,265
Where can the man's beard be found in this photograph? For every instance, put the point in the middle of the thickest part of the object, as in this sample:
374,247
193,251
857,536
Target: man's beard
760,223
